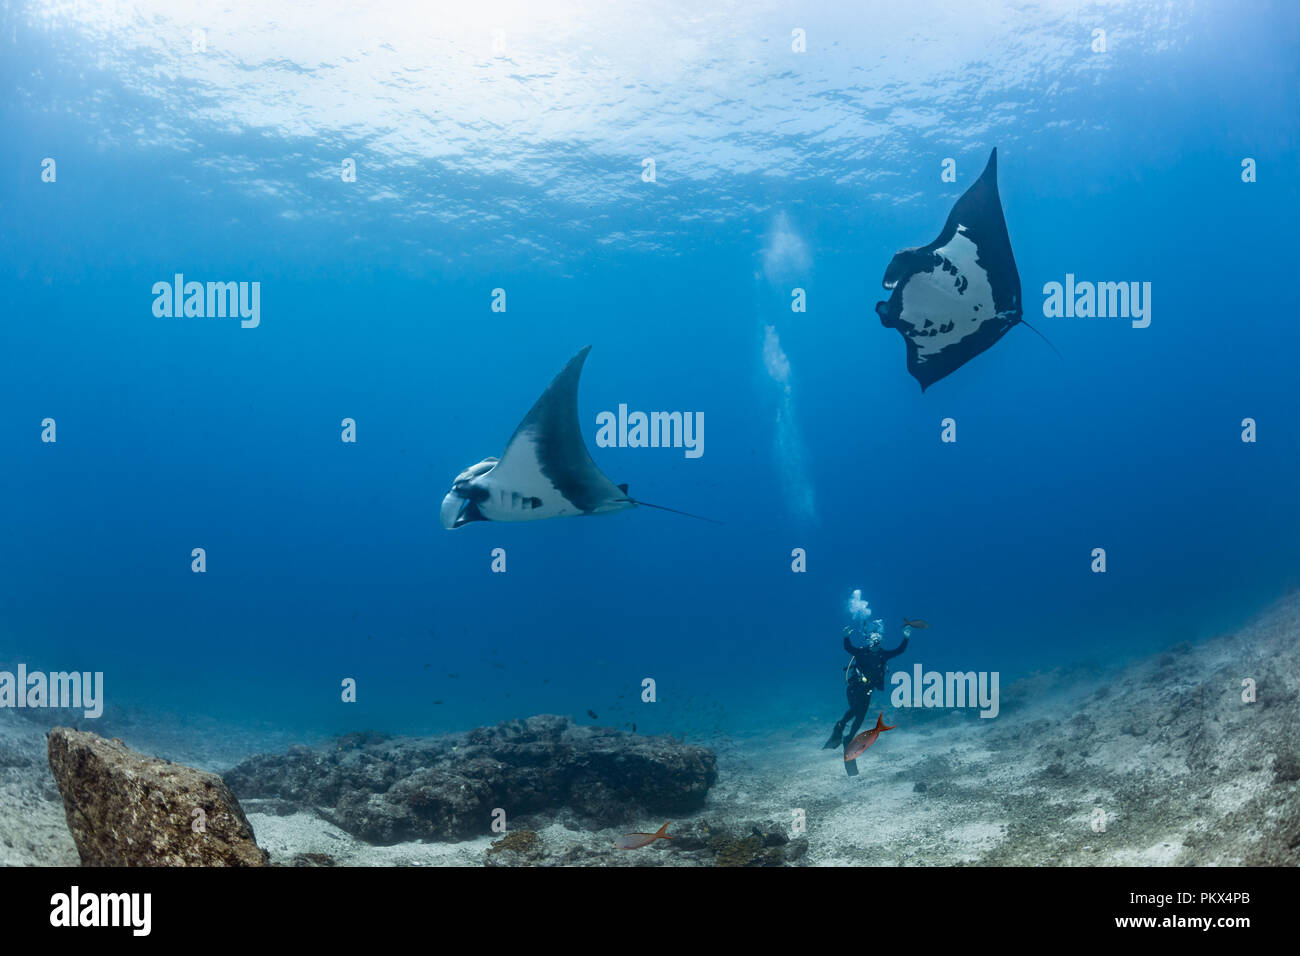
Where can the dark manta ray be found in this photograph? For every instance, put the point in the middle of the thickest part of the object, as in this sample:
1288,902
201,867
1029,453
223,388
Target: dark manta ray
545,471
957,296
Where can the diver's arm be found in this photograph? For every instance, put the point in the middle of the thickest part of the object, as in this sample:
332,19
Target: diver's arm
848,642
898,650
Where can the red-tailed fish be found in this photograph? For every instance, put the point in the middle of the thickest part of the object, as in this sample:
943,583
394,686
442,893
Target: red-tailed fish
634,841
858,745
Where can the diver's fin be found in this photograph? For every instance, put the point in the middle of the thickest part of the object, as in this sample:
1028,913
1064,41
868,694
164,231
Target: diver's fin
851,767
646,504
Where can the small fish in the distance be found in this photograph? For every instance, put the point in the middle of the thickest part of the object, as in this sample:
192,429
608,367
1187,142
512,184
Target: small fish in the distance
859,744
592,715
918,624
634,841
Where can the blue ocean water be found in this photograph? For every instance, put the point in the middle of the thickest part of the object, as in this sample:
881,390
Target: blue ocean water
503,148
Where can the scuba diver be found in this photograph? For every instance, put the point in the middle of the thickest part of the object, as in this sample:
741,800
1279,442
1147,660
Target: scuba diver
864,673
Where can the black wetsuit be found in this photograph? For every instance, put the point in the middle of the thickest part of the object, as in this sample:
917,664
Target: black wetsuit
865,674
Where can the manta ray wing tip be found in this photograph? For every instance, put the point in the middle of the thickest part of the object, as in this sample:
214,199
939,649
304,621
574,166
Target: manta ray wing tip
991,167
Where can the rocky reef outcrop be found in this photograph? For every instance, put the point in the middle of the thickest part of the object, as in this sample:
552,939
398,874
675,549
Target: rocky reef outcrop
386,790
126,809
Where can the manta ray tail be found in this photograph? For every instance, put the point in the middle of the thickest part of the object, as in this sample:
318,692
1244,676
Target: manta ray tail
646,504
1043,337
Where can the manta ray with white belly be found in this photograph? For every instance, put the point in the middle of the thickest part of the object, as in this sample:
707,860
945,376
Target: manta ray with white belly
545,471
956,297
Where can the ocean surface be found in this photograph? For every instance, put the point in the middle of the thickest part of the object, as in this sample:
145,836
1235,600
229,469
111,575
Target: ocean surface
503,146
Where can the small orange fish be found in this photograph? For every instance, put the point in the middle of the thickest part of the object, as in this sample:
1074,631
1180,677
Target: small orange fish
859,744
634,841
918,624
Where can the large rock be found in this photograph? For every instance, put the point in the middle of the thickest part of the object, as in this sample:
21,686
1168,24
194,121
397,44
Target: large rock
126,809
388,790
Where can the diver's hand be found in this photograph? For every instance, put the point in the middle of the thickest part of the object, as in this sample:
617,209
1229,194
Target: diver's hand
848,632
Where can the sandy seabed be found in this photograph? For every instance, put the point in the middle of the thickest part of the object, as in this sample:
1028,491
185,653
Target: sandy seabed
1182,770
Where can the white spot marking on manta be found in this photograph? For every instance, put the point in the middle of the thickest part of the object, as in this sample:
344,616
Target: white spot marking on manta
517,478
934,295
